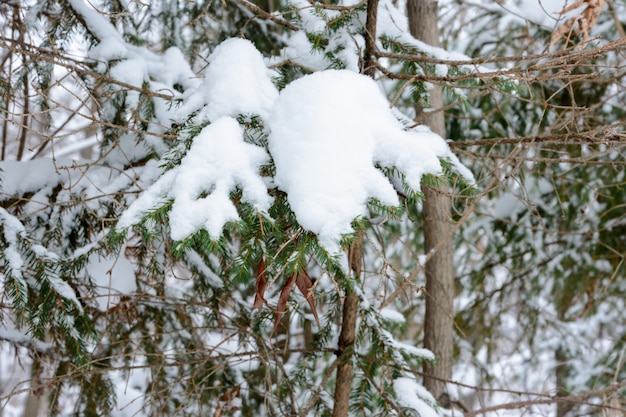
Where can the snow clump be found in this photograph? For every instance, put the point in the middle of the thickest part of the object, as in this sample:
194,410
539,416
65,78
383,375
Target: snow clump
328,132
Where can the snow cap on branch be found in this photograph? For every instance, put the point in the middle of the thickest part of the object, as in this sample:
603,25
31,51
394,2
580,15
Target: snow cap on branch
329,130
329,133
236,82
218,162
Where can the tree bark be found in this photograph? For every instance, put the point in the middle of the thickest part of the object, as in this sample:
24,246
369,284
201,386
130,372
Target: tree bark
439,323
562,373
438,327
369,67
347,337
423,24
343,386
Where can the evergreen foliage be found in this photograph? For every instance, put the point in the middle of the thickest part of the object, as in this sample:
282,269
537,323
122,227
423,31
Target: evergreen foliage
215,326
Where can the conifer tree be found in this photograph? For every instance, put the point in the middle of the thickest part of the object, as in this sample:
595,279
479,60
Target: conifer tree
158,256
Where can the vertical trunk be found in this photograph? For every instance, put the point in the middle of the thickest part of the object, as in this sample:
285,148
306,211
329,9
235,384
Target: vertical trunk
33,406
438,324
369,67
37,400
562,372
26,88
343,386
26,110
423,22
347,337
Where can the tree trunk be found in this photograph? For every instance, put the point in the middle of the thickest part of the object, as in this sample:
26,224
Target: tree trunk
347,337
562,372
438,327
439,323
423,24
37,401
343,386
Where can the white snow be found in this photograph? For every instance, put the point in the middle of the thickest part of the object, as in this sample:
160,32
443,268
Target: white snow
328,133
236,82
545,13
300,49
28,176
17,337
64,290
196,260
311,20
155,196
392,315
109,48
96,23
507,206
393,23
329,130
218,162
178,70
413,395
12,227
408,348
133,72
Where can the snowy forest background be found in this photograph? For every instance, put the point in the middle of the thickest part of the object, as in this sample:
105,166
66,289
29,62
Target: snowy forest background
242,208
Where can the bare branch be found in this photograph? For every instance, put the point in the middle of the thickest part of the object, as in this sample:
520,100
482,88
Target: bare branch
553,399
265,15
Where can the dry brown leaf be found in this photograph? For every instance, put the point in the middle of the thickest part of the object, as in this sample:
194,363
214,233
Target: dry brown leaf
586,21
282,300
225,402
261,284
305,285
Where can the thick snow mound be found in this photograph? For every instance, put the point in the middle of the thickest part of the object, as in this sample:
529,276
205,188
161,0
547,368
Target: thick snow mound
236,82
328,131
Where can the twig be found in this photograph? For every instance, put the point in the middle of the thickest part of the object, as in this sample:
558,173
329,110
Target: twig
552,59
575,399
337,7
587,137
43,54
618,22
262,13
